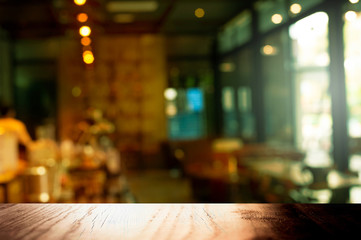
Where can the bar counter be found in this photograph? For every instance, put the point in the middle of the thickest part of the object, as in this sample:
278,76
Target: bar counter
179,221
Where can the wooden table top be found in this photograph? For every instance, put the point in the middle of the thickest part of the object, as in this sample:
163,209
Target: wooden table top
179,221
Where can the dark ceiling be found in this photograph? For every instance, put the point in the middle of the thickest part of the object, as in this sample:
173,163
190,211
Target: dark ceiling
42,18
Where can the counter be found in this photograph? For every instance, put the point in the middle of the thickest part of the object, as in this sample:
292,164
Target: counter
179,221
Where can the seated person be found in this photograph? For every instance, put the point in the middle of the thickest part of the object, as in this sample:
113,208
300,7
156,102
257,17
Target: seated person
8,123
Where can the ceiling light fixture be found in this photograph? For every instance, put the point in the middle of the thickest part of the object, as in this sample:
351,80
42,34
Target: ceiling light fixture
132,6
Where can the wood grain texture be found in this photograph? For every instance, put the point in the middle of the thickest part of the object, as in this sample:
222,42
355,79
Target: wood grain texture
178,221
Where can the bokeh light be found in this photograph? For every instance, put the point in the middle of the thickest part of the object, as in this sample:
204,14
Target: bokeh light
85,41
199,12
44,197
79,2
88,57
82,17
76,91
269,50
277,18
85,31
295,8
170,94
350,16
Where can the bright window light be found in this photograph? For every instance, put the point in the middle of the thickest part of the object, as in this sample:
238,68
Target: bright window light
350,16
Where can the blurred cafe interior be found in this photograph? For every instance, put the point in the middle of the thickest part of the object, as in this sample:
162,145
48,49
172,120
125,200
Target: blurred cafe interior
180,101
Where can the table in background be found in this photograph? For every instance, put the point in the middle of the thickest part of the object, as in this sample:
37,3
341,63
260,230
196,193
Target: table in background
8,177
179,221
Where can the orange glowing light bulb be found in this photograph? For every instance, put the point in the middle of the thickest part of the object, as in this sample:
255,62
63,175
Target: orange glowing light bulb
82,17
85,31
85,41
88,57
79,2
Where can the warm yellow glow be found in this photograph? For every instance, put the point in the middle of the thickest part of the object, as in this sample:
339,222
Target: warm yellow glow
350,16
232,165
2,131
199,12
334,179
227,67
277,18
88,57
85,31
269,50
40,170
123,18
295,8
44,197
132,6
353,1
79,2
76,91
171,109
88,150
82,17
87,53
85,41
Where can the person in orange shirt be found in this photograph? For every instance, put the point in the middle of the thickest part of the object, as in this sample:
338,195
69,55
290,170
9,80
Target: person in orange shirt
8,123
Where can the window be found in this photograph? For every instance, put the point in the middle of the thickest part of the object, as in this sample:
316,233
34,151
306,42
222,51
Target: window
184,109
271,14
236,32
352,38
277,89
311,85
230,121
